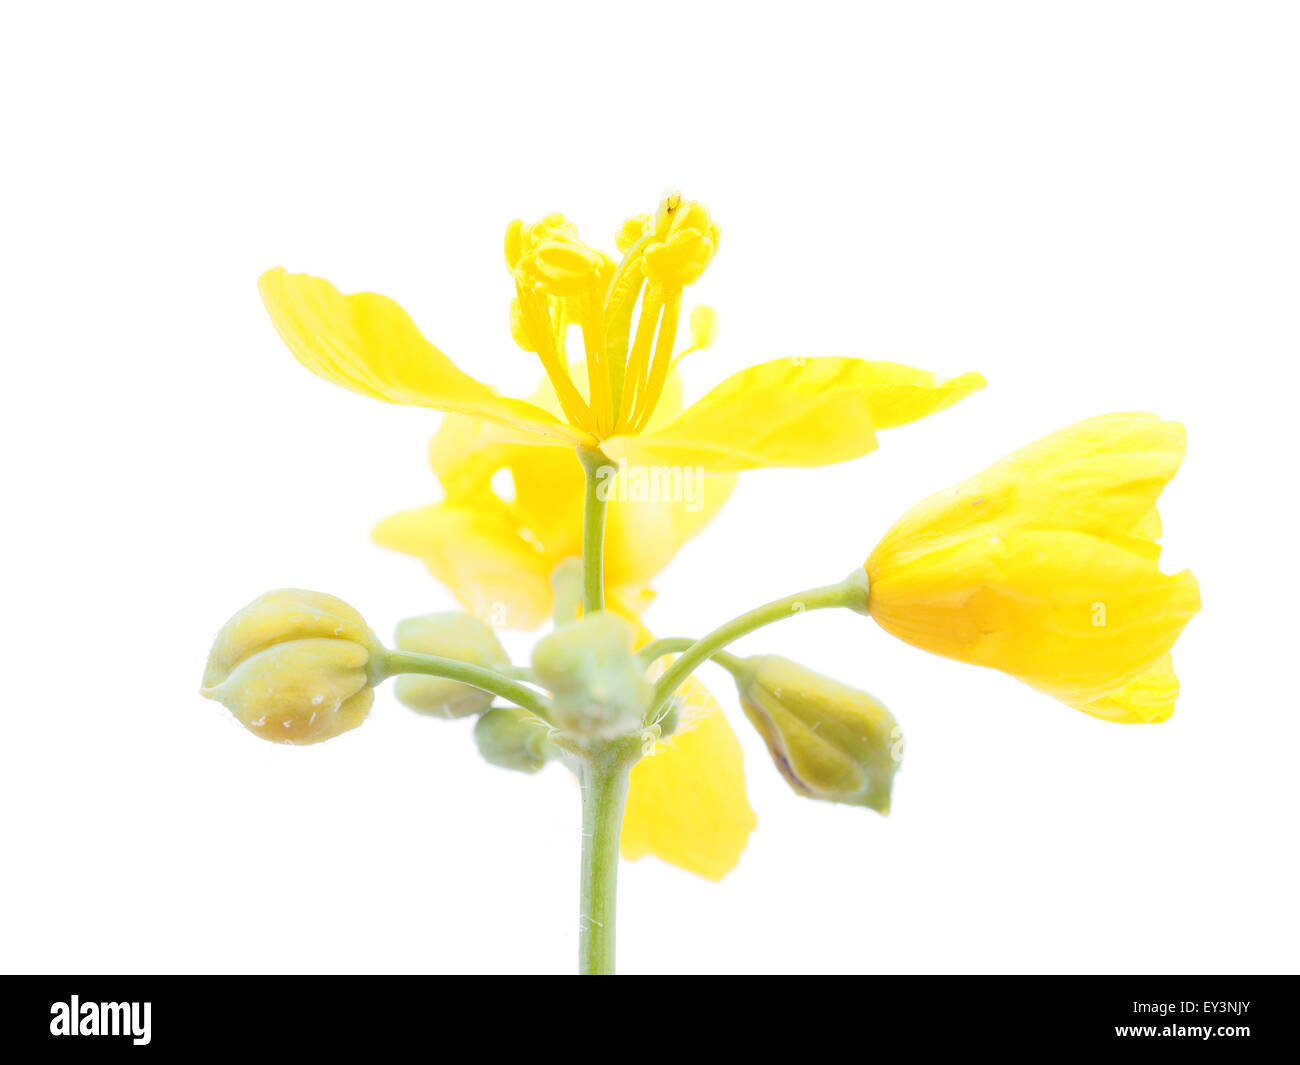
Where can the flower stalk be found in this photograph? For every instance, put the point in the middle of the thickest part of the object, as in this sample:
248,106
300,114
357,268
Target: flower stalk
604,794
489,680
593,533
603,775
850,592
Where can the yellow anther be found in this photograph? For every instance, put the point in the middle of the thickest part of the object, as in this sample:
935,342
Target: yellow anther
562,267
561,281
688,241
631,231
665,212
522,238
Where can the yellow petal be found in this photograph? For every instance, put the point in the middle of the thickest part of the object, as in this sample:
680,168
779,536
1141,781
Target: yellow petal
686,803
1072,614
1101,477
651,514
478,553
368,344
546,495
1147,699
643,533
794,412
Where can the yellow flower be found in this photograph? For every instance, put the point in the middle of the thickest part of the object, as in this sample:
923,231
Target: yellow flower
1046,566
788,412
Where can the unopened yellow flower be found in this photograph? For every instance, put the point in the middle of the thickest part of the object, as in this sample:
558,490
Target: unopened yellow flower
1046,566
788,412
293,667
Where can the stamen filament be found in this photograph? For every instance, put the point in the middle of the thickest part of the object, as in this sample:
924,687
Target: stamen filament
538,318
620,304
662,360
635,376
593,339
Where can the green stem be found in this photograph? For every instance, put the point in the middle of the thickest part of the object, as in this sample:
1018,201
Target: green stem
604,792
593,532
672,645
488,680
850,592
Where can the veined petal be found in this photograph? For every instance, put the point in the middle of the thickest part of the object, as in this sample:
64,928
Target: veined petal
794,412
478,553
366,343
686,802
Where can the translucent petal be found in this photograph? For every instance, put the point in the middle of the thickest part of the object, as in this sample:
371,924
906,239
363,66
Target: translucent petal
686,802
476,552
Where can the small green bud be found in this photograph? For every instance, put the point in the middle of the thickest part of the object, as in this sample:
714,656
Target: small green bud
451,635
513,739
293,667
829,741
598,683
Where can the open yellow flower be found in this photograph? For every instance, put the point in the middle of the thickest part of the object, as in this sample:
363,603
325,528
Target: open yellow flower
1046,566
788,412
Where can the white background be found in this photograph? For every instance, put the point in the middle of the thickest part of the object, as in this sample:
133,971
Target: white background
1094,204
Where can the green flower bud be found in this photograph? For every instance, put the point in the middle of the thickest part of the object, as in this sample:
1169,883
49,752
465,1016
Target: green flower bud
598,684
451,635
513,739
293,667
830,741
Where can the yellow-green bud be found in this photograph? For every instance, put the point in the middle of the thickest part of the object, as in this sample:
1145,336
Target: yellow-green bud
451,635
830,741
293,667
513,739
598,683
